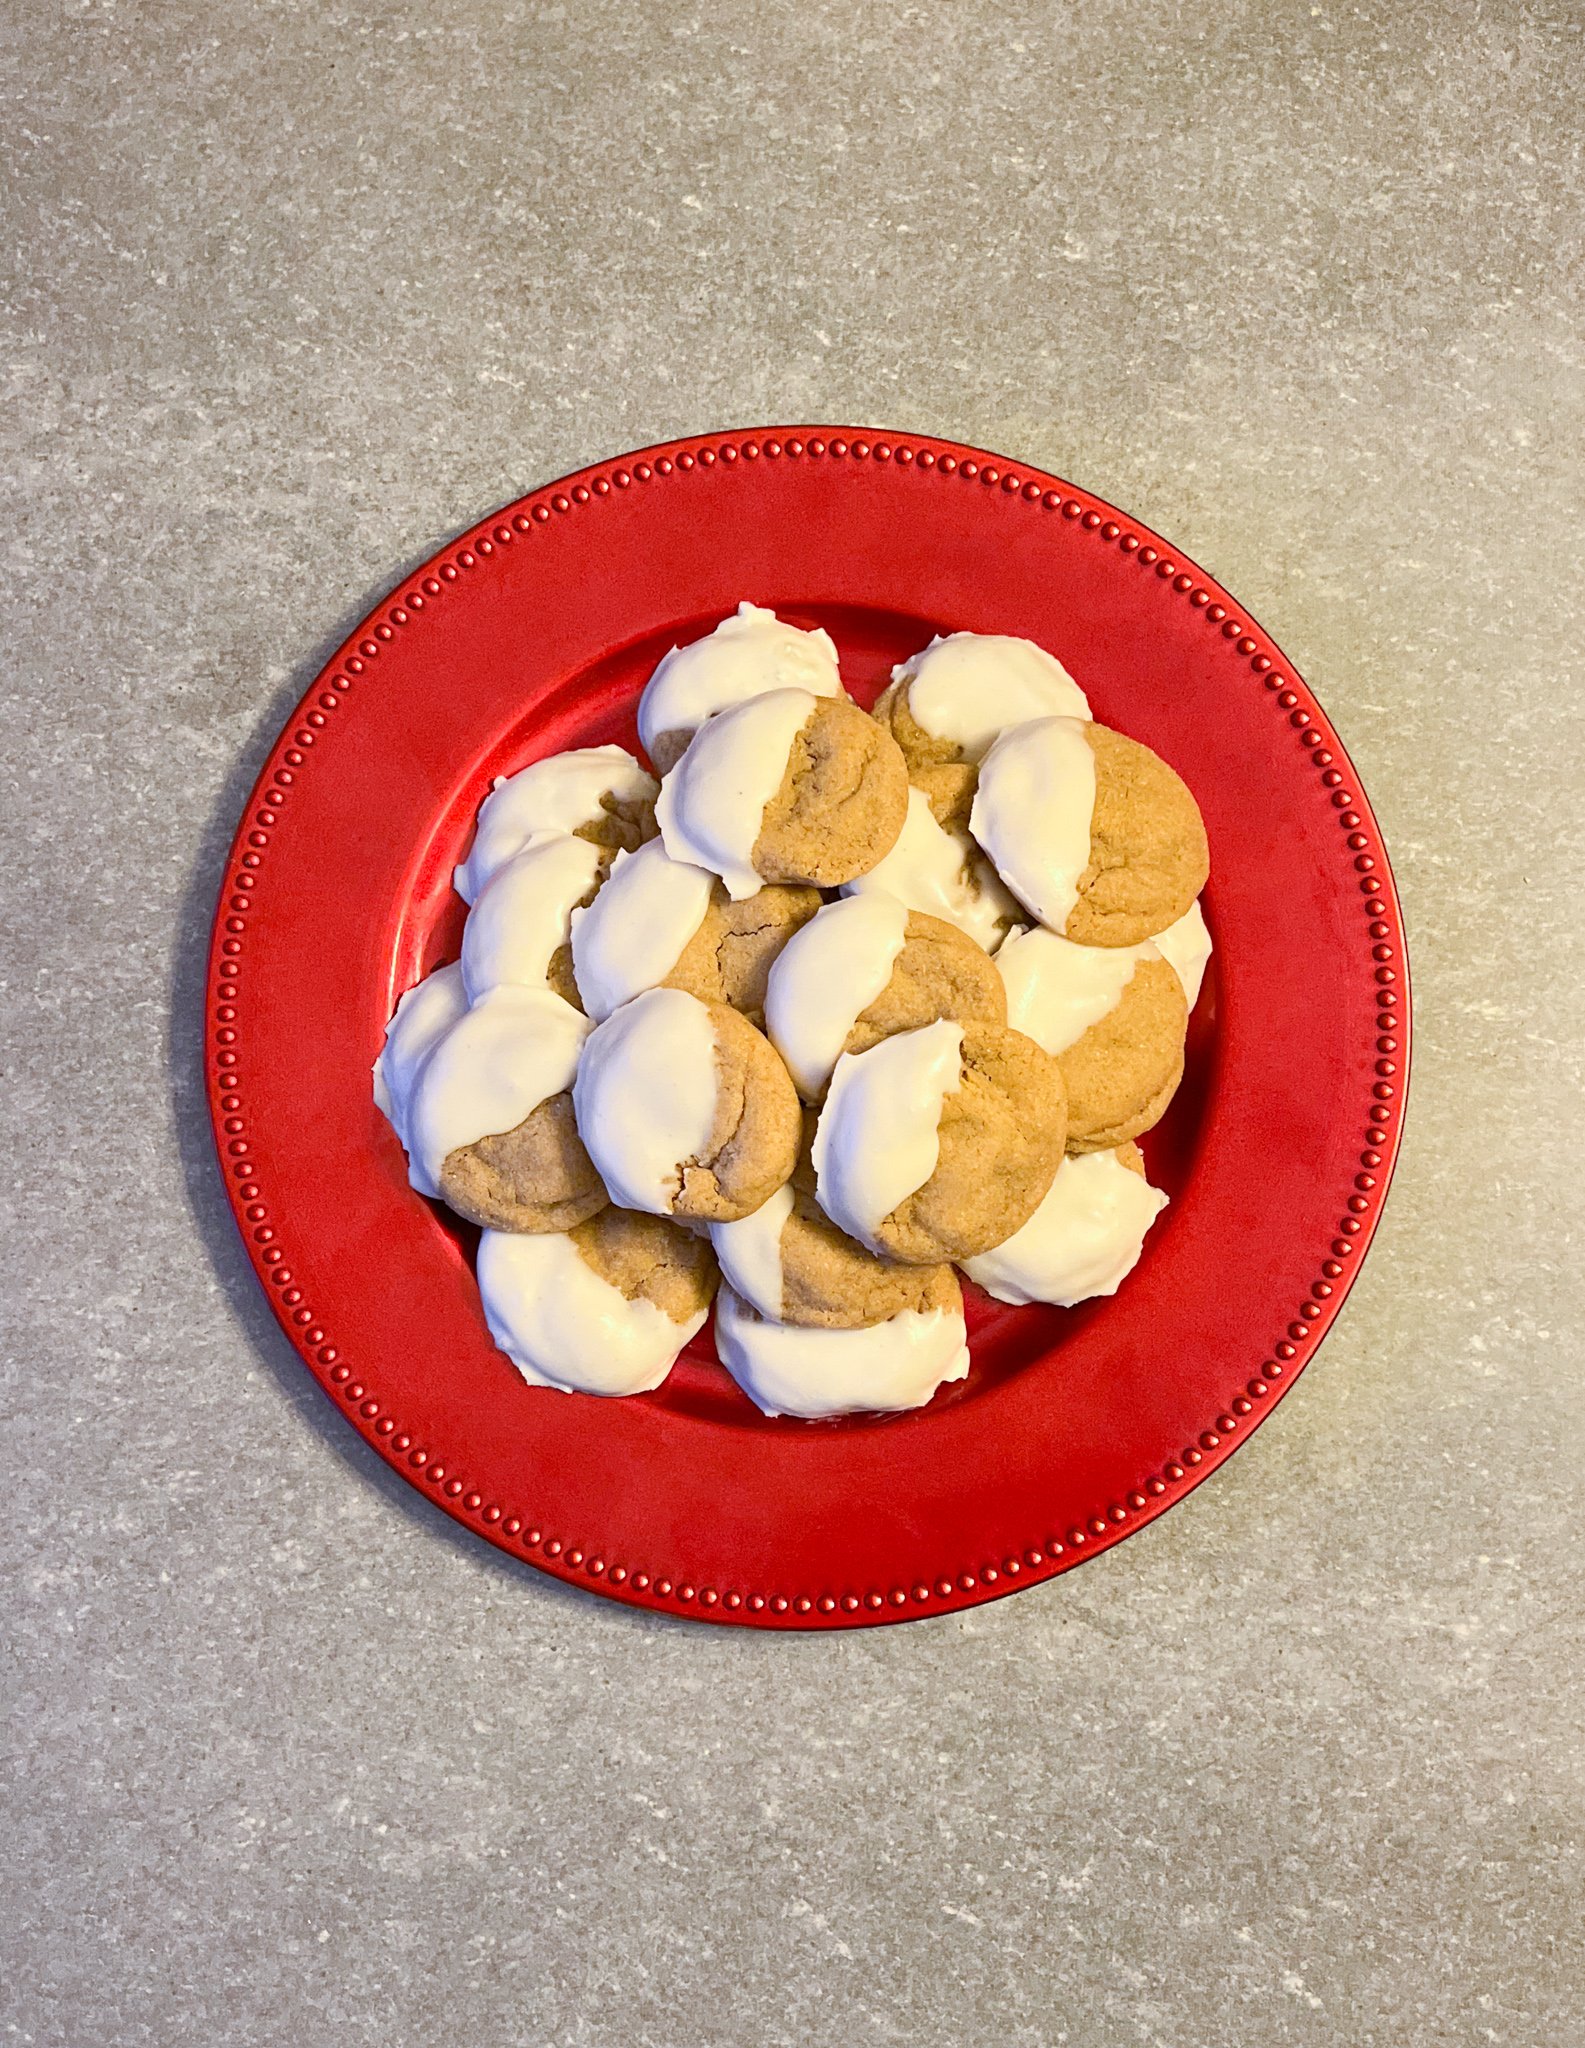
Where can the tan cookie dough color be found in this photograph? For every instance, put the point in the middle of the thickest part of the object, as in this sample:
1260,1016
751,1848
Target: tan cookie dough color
491,1125
748,654
863,968
939,1143
787,787
1092,831
1113,1018
686,1109
600,1309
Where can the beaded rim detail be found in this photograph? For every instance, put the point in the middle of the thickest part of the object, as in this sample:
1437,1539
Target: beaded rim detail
1291,1347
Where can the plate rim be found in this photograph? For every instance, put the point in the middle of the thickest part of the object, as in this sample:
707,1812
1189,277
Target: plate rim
1235,1420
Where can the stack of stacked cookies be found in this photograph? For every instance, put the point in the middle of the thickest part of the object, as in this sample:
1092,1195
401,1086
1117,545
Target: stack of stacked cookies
845,1001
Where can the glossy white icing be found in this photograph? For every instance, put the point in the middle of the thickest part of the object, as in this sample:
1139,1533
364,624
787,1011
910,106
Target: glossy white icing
749,1252
523,913
423,1017
889,1366
634,932
1083,1240
645,1096
512,1051
750,652
1032,813
1057,990
942,873
968,687
1186,947
557,794
879,1136
825,977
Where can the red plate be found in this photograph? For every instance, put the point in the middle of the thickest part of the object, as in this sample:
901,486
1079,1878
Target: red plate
535,632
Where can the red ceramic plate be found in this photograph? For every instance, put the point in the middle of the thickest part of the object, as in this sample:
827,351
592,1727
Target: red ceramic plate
535,632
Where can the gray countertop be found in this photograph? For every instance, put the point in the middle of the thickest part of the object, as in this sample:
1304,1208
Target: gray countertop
295,297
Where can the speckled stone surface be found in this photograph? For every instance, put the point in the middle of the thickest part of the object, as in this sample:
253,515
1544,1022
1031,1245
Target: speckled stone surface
294,294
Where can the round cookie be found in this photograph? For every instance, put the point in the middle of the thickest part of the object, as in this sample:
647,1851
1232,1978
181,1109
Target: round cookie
596,793
865,967
1084,1239
517,931
946,704
939,1143
490,1125
749,652
601,1309
423,1017
662,923
1113,1018
685,1109
790,1262
788,787
940,871
1091,830
885,1367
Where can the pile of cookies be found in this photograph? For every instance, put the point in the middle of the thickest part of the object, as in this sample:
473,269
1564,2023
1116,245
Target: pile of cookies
844,1001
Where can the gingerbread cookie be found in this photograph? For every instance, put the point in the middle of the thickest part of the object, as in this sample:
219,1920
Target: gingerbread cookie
883,1367
1083,1240
1113,1018
490,1124
1092,831
789,1261
863,968
600,1309
750,652
940,871
685,1109
1186,947
939,1143
787,787
596,793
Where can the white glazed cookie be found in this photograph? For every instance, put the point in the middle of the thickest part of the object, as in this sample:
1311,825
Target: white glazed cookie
886,1367
950,701
942,873
490,1124
1113,1018
1084,1239
863,968
787,787
423,1017
517,930
1090,830
749,652
686,1109
938,1143
601,1309
596,793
